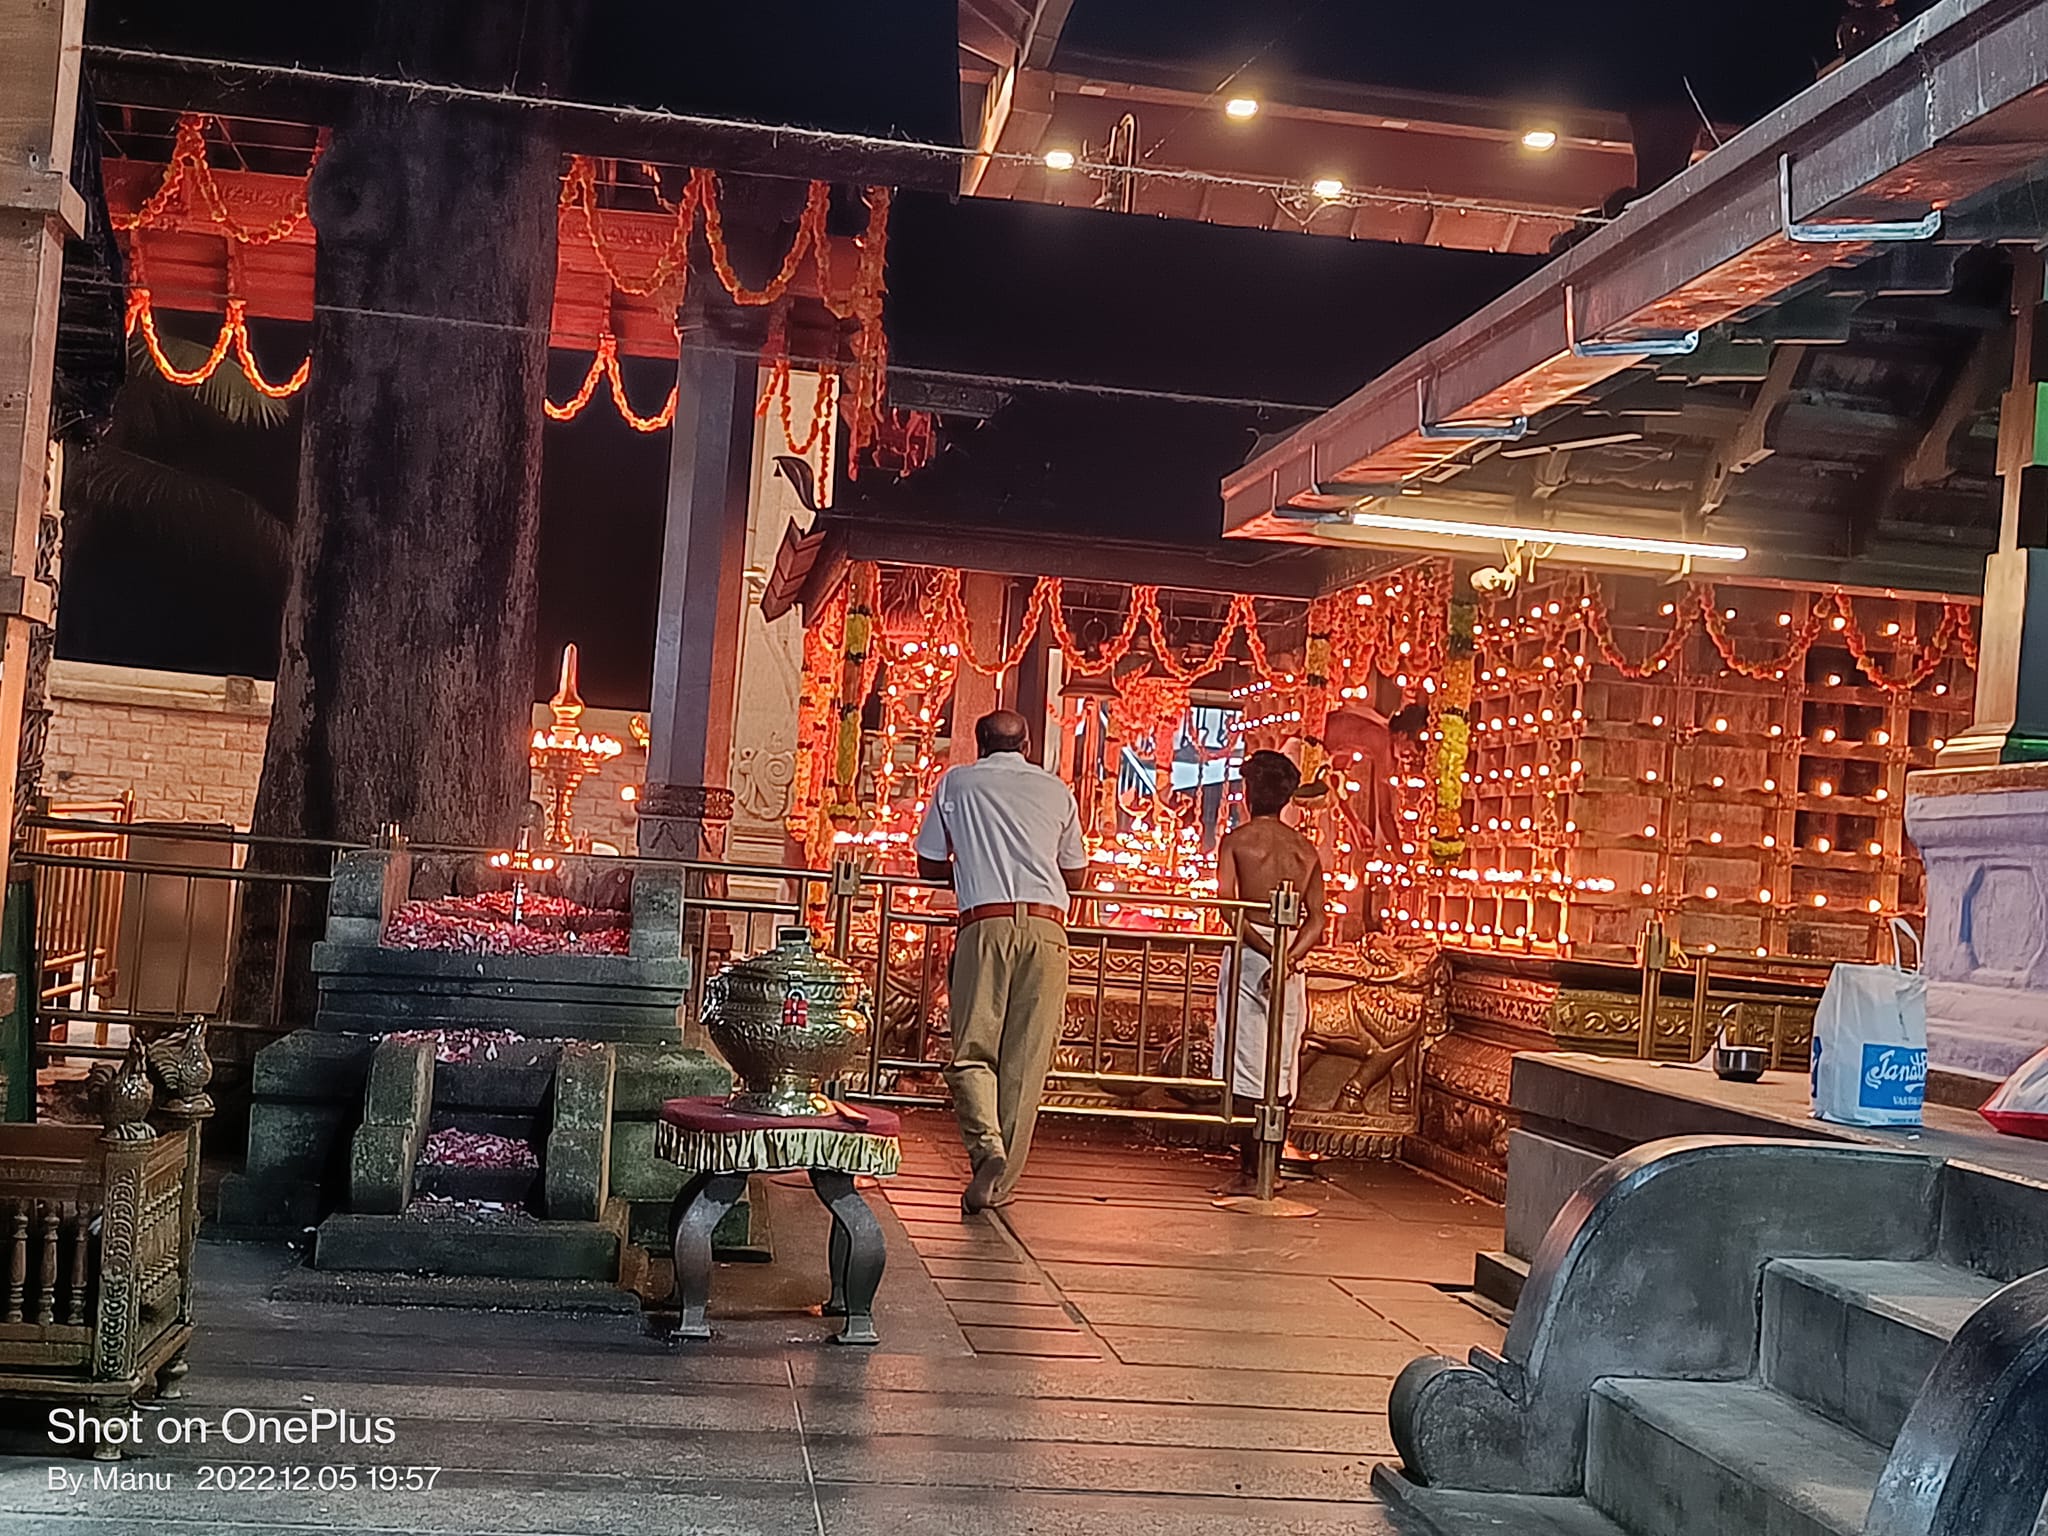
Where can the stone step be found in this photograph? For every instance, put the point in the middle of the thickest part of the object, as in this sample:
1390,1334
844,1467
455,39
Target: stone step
519,1126
1855,1338
374,1288
519,1079
1499,1277
1455,1512
508,1186
455,1245
1711,1458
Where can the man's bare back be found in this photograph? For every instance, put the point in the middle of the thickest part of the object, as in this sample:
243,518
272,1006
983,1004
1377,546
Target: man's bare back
1255,860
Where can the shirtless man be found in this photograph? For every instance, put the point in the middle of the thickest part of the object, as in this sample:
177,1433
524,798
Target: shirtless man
1253,861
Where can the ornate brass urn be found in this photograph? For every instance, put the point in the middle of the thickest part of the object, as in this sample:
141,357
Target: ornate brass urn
787,1022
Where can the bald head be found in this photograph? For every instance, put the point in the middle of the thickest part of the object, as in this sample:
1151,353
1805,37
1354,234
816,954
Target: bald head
1001,730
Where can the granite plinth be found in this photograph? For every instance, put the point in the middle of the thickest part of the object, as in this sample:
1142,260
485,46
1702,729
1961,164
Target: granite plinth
370,988
1579,1111
1983,836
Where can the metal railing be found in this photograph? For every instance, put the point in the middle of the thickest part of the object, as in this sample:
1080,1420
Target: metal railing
187,901
1732,981
173,948
1162,965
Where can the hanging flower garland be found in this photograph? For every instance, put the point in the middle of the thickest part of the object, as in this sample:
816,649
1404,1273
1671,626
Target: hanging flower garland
953,620
1114,650
1954,616
1772,670
189,187
1241,616
1447,845
1685,616
859,660
775,392
1315,694
1835,611
188,179
817,723
604,364
233,337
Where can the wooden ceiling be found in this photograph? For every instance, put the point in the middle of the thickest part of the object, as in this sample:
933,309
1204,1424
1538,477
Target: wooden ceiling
1416,168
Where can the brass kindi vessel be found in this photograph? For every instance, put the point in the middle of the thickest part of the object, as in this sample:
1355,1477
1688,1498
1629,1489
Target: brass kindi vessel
787,1022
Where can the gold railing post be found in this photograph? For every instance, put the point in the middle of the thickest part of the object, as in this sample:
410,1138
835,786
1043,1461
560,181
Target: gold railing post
1271,1128
1656,954
844,893
1701,987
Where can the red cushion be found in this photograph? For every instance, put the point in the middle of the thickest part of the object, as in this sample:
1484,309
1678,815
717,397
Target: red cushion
714,1114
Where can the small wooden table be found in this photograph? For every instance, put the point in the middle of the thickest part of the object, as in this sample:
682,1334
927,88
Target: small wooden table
719,1146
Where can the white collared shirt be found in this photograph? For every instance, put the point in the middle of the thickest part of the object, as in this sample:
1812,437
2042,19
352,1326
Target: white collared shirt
1010,828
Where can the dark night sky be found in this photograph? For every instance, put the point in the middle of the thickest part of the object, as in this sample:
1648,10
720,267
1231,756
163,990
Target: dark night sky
1743,57
978,287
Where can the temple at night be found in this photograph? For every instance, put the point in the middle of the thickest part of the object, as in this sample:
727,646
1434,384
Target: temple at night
1304,770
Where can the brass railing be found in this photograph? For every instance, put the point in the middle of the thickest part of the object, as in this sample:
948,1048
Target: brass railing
1732,982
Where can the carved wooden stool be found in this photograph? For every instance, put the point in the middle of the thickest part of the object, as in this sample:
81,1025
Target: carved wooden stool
719,1146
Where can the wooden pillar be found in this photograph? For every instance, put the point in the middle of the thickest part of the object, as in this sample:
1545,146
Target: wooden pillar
39,53
981,596
2012,671
1027,690
687,802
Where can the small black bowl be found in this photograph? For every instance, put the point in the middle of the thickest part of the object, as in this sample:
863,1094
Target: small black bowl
1740,1063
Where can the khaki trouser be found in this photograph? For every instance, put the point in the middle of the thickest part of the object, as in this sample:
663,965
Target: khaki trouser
1009,995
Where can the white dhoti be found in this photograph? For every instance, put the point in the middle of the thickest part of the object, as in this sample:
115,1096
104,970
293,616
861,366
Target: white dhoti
1248,1065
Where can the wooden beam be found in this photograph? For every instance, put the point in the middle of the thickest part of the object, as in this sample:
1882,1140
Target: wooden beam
1042,35
1929,463
1282,571
1019,108
1747,448
39,42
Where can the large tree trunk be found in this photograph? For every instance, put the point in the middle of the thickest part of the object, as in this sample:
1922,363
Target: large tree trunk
405,685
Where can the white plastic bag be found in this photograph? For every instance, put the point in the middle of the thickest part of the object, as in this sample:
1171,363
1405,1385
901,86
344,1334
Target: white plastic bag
2020,1106
1870,1040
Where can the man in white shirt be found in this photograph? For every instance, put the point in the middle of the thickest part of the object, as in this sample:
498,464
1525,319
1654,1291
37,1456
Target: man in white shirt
1007,835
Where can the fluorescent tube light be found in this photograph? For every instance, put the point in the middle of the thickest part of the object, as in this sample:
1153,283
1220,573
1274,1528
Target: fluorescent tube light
1398,522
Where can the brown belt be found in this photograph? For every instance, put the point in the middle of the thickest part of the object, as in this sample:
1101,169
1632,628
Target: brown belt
1011,909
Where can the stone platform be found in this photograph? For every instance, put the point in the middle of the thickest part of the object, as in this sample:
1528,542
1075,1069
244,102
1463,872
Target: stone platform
1115,1357
1983,835
1577,1111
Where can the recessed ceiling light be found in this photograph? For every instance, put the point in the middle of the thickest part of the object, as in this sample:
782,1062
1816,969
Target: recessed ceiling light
1539,138
1327,187
1240,107
1059,159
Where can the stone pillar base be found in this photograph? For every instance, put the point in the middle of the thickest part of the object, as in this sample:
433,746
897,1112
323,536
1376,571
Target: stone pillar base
684,821
1983,835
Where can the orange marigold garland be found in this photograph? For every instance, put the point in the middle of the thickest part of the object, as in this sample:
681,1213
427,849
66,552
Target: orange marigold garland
1684,617
188,175
604,364
1796,647
859,660
1924,665
1114,650
1447,844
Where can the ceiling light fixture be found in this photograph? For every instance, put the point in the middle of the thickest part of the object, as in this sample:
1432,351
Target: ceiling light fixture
1059,159
1241,108
1450,528
1328,188
1539,139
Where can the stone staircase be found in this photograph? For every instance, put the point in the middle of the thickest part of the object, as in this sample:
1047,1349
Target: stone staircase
1836,1396
518,1217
